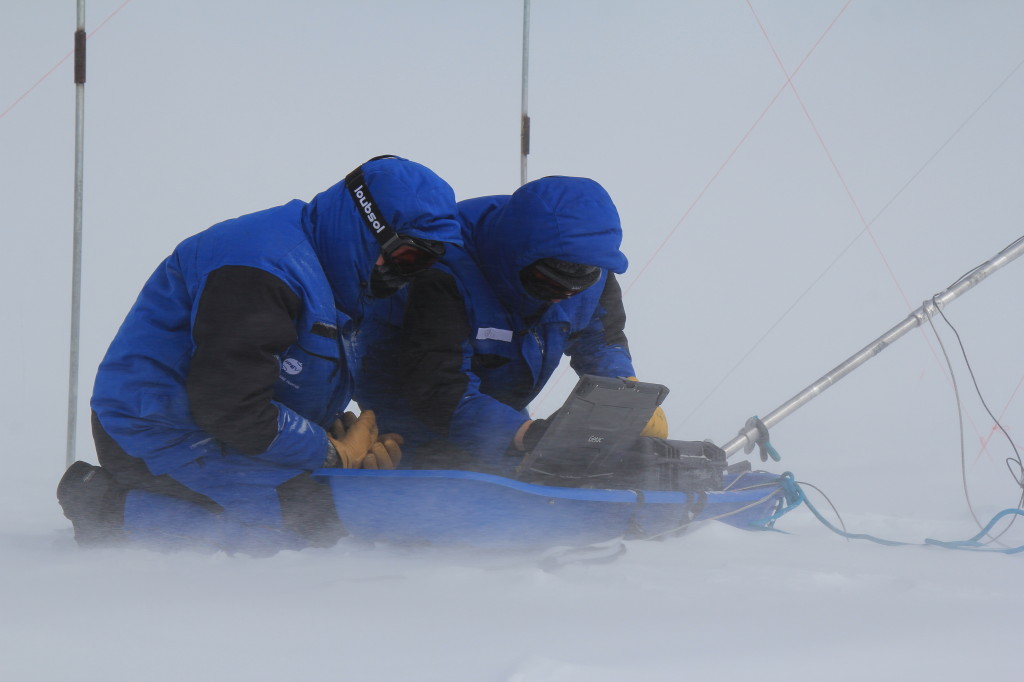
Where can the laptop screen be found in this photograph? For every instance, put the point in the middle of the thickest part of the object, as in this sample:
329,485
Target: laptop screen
601,416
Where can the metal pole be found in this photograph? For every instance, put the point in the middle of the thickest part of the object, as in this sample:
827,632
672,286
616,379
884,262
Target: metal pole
749,435
524,133
76,258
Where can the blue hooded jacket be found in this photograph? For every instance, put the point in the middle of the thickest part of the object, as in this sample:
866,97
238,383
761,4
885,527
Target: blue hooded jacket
237,350
472,313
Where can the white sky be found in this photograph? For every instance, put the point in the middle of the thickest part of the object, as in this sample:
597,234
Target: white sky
736,190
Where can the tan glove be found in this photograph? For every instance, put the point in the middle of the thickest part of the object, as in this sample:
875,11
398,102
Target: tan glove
385,453
360,447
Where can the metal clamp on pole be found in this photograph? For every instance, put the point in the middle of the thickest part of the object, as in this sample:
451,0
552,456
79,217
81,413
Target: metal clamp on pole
755,425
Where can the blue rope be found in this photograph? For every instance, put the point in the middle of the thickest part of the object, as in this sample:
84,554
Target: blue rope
794,496
825,522
974,543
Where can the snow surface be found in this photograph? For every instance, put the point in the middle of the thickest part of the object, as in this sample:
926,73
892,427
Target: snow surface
745,202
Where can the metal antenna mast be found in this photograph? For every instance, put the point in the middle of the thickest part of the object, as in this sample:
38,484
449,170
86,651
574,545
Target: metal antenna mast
524,135
76,263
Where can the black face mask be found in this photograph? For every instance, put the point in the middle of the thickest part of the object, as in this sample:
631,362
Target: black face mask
386,280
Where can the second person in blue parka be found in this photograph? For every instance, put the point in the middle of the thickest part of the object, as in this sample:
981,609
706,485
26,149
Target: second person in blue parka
474,340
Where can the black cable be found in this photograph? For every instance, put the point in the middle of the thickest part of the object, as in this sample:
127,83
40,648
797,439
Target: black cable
1016,458
1018,476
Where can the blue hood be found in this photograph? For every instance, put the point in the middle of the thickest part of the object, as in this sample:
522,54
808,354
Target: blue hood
572,219
414,201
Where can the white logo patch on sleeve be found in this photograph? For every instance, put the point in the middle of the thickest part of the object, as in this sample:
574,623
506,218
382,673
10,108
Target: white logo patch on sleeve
484,333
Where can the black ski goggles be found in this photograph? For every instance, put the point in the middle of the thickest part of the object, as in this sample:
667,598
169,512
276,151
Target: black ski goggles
409,255
551,279
403,255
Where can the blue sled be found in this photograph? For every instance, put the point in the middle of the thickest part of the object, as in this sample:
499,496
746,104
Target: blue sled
487,511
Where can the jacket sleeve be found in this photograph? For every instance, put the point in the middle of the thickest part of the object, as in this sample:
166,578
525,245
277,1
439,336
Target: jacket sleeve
244,319
601,347
436,356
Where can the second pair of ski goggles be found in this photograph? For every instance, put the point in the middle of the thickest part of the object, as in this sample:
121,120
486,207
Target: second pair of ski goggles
551,279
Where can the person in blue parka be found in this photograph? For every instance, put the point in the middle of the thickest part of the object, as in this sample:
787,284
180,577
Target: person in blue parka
474,340
225,384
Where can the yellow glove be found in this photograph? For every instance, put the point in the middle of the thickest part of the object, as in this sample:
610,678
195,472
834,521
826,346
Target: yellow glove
358,446
657,425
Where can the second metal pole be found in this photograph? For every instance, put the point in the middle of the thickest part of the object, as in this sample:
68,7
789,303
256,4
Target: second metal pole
749,435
